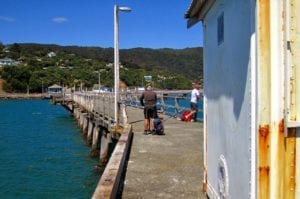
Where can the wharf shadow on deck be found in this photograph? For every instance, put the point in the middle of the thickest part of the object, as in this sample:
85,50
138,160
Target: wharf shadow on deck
169,166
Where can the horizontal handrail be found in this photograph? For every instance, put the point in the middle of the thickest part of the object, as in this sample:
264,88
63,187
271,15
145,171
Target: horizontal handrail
173,103
170,103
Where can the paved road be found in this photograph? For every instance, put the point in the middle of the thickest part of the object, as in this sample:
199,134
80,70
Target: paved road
169,166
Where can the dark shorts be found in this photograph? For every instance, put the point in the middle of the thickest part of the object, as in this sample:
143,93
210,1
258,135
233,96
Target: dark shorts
194,106
150,112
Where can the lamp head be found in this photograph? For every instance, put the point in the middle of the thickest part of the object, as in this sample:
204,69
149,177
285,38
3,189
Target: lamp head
125,9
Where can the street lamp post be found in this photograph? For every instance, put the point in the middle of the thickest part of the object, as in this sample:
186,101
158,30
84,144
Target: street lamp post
116,57
99,81
99,78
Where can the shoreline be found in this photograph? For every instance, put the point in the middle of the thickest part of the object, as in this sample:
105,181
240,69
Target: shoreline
7,96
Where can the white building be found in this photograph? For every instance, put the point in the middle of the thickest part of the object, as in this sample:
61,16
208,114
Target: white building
51,54
8,62
251,97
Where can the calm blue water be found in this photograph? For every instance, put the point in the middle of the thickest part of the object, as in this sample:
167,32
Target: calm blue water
42,153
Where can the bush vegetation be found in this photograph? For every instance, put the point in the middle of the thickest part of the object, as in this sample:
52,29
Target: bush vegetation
73,65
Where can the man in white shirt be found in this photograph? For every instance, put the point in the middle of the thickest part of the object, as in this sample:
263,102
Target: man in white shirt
194,101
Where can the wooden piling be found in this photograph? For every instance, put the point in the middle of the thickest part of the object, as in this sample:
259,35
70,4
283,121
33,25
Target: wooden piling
75,113
85,124
104,147
81,120
110,181
90,132
95,141
95,126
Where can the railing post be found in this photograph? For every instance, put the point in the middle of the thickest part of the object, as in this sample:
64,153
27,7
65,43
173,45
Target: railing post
124,113
163,105
176,107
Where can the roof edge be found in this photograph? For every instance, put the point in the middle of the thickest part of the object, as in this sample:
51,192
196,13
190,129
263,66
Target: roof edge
197,11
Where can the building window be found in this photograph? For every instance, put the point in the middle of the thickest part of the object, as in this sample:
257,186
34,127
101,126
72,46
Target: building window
221,29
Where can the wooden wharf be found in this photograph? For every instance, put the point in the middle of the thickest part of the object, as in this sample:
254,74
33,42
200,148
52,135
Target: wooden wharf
141,166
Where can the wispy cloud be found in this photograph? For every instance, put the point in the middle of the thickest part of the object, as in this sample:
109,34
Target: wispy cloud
8,19
59,20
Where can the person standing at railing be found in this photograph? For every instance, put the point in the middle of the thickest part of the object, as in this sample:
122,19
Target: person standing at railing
194,101
148,100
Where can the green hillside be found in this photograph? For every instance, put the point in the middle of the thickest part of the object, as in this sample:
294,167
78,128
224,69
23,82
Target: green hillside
41,65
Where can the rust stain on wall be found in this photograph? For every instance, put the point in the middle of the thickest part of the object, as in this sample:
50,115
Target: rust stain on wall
263,35
263,161
281,127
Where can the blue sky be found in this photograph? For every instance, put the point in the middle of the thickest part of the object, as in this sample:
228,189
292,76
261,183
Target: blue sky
151,24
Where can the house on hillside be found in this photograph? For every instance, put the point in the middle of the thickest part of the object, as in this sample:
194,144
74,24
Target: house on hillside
51,54
8,62
251,97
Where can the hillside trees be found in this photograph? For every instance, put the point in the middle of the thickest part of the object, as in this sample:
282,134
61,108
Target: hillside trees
18,78
75,66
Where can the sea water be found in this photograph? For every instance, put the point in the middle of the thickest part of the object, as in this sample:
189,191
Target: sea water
42,153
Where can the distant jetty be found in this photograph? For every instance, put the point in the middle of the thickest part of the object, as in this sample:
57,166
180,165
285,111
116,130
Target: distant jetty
22,95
